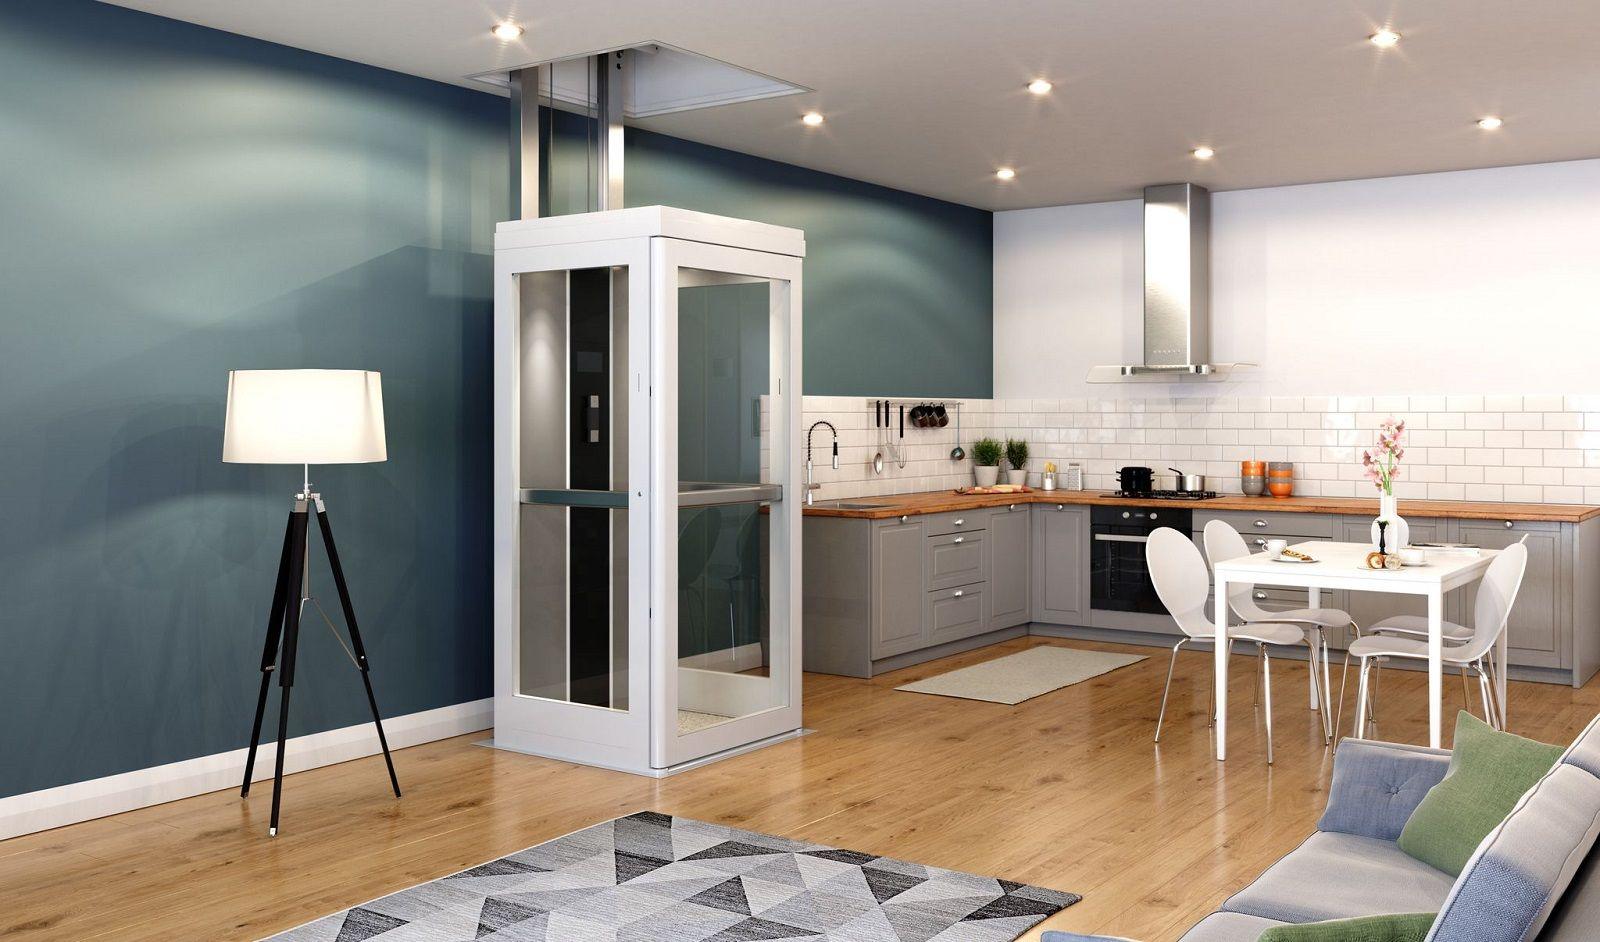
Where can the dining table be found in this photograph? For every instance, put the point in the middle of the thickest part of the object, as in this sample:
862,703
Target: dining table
1335,566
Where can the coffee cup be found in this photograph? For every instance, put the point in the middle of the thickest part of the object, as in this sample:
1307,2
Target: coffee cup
1276,547
1413,555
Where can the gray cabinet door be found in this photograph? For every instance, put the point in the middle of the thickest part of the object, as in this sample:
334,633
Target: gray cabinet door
955,559
1061,564
1536,629
1010,566
1366,608
953,614
897,588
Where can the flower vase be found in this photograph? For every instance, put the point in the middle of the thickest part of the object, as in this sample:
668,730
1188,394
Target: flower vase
1399,535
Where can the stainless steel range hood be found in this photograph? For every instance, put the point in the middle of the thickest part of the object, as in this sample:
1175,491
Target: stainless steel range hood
1177,289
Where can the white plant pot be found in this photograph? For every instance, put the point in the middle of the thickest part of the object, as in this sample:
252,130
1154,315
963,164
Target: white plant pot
986,474
1017,477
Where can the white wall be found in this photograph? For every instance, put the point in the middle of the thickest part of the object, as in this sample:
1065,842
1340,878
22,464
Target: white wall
1481,281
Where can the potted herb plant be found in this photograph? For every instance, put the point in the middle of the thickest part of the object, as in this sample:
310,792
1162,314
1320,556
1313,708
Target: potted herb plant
1017,457
986,462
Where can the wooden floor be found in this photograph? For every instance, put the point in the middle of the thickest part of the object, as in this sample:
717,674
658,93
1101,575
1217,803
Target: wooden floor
1065,790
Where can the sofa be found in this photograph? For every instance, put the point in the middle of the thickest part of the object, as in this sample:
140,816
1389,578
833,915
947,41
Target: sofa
1534,878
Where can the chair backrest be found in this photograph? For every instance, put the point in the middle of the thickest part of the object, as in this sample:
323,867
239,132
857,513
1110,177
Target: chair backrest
1181,578
1223,543
1497,591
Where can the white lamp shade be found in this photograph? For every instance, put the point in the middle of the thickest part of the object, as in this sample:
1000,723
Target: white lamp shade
304,417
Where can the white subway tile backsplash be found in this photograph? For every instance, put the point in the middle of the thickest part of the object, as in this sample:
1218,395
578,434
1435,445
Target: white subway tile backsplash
1495,447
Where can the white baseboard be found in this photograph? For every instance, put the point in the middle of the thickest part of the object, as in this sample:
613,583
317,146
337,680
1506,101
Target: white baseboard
113,794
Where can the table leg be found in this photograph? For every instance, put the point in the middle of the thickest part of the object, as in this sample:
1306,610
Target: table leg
1314,600
1435,665
1221,666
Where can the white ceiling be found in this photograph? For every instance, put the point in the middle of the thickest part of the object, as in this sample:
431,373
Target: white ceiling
927,95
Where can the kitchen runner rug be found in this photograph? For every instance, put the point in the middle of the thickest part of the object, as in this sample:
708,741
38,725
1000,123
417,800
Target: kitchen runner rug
1023,675
652,877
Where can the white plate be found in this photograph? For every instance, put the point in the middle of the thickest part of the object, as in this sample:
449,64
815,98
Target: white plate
1290,559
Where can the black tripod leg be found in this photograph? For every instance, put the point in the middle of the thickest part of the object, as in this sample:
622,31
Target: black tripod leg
355,642
269,653
291,641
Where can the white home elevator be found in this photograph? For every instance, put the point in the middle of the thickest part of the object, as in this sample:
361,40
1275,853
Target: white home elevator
646,502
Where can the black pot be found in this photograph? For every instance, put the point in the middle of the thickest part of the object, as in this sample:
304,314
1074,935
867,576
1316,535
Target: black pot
1134,480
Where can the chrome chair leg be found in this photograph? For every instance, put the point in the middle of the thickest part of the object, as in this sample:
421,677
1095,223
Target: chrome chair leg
1257,700
1328,729
1266,694
1361,698
1168,689
1466,698
1338,720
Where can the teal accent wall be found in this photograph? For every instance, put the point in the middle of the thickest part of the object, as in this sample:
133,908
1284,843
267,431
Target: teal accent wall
899,288
176,202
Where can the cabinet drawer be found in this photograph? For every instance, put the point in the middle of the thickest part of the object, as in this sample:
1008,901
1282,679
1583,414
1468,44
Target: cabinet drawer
953,614
1273,523
959,522
955,559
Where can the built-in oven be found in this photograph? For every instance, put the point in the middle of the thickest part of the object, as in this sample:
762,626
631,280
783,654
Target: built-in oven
1119,578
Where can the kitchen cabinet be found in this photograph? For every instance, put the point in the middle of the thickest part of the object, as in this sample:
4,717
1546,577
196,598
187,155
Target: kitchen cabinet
898,587
1061,564
883,592
1010,566
1535,631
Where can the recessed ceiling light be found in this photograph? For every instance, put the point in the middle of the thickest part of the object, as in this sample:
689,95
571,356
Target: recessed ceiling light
1203,153
506,32
1040,86
1385,38
1005,173
811,118
1490,123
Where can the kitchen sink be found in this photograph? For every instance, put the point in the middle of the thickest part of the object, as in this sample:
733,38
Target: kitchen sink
851,505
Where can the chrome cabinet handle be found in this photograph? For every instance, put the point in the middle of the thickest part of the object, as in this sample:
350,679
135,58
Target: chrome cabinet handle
959,521
957,594
1509,524
1261,596
1061,506
904,518
1261,523
1012,507
1261,541
959,539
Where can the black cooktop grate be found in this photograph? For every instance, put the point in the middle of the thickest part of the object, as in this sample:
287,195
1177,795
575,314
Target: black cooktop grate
1165,495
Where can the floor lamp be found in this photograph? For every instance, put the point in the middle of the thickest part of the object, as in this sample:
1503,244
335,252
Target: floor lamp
304,417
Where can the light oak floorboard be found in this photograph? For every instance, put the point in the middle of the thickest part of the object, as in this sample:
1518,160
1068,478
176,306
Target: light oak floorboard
1065,790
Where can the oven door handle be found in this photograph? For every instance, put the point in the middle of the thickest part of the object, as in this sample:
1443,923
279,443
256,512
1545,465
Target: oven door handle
1120,538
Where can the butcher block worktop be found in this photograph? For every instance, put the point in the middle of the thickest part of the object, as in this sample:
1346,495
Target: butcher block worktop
930,502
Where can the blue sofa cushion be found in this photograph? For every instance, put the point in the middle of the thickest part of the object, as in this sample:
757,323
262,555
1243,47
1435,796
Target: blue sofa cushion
1337,876
1376,786
1515,878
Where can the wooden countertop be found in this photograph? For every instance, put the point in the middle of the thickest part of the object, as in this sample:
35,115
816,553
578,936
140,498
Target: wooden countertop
931,502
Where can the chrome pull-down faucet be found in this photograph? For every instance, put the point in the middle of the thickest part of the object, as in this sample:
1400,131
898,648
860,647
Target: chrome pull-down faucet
812,486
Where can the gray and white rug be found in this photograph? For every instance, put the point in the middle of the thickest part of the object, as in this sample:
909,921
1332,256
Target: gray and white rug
652,877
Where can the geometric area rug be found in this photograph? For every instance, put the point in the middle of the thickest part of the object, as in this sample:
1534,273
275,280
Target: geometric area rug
652,877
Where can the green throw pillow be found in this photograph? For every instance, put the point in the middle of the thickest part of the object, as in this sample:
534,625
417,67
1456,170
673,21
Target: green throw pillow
1408,927
1489,772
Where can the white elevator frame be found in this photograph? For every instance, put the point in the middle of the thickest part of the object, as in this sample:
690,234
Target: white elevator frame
654,243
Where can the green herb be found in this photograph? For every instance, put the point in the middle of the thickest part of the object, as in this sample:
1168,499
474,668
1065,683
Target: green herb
986,452
1017,453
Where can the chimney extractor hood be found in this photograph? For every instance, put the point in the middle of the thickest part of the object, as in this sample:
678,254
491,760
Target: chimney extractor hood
1177,289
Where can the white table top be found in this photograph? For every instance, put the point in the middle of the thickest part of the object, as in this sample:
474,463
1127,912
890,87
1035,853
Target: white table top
1343,566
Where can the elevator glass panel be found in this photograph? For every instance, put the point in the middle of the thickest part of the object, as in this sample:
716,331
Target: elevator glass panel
573,539
725,641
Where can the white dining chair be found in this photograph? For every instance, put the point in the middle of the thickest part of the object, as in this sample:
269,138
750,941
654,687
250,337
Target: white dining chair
1223,543
1416,626
1497,592
1183,582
